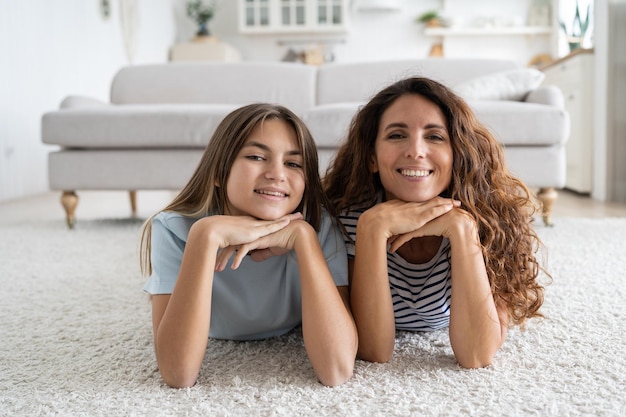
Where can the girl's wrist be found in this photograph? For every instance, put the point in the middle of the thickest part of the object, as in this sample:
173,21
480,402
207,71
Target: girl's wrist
203,232
303,236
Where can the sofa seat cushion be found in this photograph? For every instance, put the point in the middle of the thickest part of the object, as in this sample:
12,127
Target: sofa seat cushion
134,126
523,124
329,123
122,169
513,123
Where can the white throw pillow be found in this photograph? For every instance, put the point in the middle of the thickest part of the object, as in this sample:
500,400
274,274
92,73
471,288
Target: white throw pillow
506,85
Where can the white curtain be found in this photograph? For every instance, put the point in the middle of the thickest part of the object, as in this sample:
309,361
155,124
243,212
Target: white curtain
129,20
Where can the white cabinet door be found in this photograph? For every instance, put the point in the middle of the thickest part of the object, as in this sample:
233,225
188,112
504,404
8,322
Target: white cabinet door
574,76
293,16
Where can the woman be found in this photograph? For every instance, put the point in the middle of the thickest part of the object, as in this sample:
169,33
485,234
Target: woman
438,231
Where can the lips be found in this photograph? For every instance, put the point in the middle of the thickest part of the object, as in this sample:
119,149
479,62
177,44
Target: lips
415,172
271,193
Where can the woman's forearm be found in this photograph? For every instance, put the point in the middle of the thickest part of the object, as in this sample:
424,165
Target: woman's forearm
476,332
370,295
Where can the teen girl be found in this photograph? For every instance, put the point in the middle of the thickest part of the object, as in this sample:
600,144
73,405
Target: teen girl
248,250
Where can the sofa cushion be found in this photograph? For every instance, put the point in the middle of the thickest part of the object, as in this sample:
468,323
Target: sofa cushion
122,169
287,83
512,122
523,124
350,82
505,85
329,123
134,126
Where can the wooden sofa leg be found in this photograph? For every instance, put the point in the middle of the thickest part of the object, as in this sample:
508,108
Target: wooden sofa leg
69,200
547,197
133,202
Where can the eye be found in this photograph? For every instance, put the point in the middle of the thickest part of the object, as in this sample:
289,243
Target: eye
255,157
396,135
293,164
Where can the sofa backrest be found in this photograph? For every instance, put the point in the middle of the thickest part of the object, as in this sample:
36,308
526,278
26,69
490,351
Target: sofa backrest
357,82
289,84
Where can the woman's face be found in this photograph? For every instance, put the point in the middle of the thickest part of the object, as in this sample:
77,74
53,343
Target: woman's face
267,180
413,153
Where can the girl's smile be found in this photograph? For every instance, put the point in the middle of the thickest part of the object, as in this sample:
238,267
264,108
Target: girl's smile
267,177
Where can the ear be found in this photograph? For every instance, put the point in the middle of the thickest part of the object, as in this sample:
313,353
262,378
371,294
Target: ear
373,165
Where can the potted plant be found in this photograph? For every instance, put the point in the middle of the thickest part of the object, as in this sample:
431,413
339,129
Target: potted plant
578,31
201,14
431,18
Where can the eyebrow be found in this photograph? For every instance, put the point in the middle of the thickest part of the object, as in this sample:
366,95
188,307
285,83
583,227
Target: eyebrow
266,148
404,125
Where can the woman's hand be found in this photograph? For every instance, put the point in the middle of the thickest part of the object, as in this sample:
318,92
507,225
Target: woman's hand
445,225
400,221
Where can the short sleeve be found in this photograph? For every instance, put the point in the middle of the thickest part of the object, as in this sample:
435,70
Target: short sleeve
169,236
334,248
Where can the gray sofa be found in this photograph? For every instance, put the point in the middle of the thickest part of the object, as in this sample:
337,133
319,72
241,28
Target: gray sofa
152,133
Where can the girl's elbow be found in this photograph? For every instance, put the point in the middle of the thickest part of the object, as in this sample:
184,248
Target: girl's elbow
337,376
179,378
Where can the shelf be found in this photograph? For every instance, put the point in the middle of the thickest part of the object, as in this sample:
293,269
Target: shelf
518,30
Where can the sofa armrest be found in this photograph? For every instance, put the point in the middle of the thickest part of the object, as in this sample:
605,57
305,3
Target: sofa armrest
546,94
72,102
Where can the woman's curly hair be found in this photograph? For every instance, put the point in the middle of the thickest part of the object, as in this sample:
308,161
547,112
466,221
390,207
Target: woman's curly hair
502,206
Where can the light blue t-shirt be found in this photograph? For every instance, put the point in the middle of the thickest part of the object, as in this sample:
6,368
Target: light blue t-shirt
257,300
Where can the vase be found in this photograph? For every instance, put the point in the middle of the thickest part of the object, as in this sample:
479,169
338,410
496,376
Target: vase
574,42
203,29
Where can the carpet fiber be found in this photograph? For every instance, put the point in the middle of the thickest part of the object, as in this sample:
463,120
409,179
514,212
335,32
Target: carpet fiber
76,339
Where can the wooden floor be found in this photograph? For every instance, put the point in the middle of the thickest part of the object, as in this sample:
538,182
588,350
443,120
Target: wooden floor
116,204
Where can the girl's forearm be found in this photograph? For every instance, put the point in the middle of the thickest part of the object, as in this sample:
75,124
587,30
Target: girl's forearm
182,334
330,335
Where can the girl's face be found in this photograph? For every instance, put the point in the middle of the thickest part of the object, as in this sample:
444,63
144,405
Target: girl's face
413,153
266,180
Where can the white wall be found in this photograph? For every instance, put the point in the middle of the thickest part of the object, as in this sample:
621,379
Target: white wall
380,35
53,48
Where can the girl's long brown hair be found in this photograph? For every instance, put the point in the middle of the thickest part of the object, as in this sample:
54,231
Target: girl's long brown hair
502,206
200,197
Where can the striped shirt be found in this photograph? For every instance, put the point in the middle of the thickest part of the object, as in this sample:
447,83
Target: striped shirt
420,292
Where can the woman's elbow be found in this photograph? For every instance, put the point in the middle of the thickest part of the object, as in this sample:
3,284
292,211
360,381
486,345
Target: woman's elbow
478,359
475,363
377,355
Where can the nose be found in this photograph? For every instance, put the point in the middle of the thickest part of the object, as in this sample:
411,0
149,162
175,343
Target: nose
275,171
416,147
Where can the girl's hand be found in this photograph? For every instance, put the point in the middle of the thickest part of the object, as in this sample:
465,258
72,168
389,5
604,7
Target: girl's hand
274,244
235,231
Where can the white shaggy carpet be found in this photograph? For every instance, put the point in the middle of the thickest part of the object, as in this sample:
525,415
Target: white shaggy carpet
75,340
